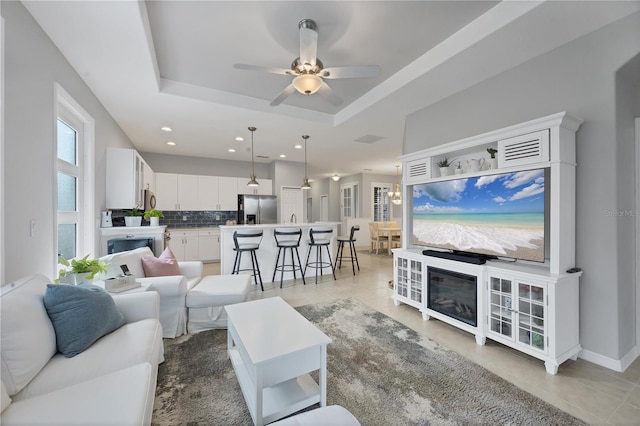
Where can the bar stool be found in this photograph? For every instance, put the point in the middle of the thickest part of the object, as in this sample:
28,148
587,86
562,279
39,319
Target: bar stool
352,250
288,239
247,241
318,243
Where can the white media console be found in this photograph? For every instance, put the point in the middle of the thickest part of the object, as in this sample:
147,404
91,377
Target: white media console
531,307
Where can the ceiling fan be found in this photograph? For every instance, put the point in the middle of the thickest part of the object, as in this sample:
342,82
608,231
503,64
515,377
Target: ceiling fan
308,70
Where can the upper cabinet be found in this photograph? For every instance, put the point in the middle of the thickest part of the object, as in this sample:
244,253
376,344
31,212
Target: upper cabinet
127,177
191,192
176,192
217,193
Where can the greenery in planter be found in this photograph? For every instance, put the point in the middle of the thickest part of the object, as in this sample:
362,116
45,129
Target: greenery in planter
82,266
152,213
445,162
492,152
135,212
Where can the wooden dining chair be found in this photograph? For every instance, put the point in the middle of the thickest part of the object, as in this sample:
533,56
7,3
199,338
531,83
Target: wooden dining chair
376,239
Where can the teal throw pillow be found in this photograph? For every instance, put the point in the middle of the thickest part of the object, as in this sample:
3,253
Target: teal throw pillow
80,315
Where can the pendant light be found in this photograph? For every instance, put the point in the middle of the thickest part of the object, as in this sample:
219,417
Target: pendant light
252,180
305,182
396,197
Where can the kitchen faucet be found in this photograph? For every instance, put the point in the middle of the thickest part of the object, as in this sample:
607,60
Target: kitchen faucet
293,218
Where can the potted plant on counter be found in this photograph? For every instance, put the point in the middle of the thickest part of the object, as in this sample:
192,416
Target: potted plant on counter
133,217
153,216
80,270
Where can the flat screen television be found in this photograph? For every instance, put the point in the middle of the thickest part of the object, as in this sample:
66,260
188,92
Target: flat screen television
499,215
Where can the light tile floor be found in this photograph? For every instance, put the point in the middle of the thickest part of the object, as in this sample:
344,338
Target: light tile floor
592,393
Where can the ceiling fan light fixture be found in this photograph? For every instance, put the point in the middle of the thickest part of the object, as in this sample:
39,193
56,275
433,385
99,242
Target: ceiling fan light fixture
307,84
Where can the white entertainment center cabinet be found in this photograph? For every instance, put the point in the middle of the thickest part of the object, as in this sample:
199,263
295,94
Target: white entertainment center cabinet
531,307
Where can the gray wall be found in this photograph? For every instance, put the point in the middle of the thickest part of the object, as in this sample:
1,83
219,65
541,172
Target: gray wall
164,163
32,65
580,78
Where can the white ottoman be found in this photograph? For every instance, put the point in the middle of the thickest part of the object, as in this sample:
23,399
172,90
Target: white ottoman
206,301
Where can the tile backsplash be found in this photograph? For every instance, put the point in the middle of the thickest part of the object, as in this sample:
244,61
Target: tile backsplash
194,219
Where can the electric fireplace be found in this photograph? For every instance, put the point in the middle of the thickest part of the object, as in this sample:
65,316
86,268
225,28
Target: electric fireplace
453,294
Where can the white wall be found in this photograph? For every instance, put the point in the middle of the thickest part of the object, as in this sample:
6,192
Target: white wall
187,165
579,78
32,66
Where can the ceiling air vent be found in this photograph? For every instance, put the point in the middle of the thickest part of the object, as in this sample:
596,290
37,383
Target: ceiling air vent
417,170
524,149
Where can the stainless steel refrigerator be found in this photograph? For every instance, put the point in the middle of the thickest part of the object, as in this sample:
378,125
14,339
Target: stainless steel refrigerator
257,209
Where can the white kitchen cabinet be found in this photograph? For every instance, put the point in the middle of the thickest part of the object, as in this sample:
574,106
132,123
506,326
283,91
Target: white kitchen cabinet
265,187
148,178
184,244
209,245
176,192
126,176
217,193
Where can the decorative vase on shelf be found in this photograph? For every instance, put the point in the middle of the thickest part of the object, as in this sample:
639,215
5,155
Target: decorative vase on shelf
493,163
444,171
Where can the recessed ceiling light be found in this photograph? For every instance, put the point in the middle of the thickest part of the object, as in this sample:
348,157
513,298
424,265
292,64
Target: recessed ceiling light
239,138
368,170
231,150
298,147
171,143
283,156
166,129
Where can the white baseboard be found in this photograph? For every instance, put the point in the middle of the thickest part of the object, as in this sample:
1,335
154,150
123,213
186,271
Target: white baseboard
613,364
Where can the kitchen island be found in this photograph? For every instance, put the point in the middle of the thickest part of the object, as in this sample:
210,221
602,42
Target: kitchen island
269,251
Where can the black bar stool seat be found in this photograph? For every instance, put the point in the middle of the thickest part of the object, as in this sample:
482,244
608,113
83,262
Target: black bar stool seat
353,258
319,238
288,239
248,241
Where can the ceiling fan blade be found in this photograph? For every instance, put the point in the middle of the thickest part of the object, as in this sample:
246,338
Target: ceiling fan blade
365,71
283,95
327,92
265,69
308,44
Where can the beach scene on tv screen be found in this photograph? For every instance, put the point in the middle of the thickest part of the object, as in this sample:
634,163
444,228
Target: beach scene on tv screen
499,215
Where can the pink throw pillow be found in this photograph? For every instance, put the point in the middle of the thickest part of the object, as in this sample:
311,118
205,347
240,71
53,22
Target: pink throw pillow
164,265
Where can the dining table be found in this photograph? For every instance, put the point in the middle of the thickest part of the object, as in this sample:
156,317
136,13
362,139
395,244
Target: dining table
390,232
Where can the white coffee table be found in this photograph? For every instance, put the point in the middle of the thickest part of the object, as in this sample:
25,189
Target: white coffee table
273,348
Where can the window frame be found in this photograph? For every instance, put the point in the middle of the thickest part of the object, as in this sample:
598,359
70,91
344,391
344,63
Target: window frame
386,203
70,112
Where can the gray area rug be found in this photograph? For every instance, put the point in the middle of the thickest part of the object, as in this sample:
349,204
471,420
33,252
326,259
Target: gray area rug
380,370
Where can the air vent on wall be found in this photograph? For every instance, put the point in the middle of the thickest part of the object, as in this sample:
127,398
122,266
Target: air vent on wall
525,149
418,170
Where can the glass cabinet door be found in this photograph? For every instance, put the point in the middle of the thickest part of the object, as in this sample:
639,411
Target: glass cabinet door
501,306
416,281
402,280
531,315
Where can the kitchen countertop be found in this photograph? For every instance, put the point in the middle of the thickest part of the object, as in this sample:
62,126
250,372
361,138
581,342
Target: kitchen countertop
281,225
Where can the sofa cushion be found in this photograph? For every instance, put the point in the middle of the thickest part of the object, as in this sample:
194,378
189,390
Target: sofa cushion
80,315
124,397
130,258
27,338
162,266
129,345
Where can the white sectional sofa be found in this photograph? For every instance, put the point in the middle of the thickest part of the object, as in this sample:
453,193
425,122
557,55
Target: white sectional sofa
172,289
111,382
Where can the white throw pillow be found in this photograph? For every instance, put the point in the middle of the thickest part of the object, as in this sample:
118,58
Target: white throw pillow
130,258
27,338
5,400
